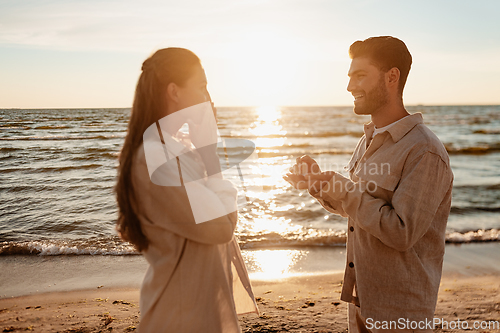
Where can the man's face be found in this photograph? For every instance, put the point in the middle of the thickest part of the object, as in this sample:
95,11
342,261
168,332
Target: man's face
367,85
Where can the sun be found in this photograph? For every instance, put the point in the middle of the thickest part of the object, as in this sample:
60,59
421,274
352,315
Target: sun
268,113
263,65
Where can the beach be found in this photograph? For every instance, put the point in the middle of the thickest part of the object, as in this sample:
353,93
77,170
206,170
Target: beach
64,269
123,125
469,293
294,305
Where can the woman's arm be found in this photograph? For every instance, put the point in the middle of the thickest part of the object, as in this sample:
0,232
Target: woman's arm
174,208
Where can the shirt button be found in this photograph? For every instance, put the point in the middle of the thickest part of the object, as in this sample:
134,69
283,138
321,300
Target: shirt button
351,264
351,228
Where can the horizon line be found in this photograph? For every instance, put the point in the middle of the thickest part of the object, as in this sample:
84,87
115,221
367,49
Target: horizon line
239,106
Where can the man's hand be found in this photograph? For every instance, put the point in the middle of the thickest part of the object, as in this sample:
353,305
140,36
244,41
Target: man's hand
305,165
297,181
316,182
306,174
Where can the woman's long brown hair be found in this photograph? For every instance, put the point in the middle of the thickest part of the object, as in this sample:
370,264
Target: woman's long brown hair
158,71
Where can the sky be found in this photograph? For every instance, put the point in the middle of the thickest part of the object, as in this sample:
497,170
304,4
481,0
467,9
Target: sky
88,54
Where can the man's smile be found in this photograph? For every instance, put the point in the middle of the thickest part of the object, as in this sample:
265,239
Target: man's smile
358,96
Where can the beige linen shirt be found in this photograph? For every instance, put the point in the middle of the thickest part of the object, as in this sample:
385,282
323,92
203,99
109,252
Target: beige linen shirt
397,201
196,280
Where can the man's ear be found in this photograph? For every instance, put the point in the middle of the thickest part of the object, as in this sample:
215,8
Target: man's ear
173,92
392,77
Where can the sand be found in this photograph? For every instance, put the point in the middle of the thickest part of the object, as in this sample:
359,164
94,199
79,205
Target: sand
300,304
469,293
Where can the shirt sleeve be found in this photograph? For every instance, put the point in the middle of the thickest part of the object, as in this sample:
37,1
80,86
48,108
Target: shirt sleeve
169,207
400,224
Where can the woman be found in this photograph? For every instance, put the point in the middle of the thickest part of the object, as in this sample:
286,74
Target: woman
196,280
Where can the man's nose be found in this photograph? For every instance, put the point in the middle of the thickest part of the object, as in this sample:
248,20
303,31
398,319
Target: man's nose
350,86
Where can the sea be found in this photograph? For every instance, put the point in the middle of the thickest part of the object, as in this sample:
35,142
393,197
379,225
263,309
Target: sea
58,170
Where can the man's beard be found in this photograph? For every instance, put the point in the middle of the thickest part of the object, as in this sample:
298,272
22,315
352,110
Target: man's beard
373,100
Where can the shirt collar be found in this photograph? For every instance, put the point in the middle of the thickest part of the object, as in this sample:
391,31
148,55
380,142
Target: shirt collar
400,129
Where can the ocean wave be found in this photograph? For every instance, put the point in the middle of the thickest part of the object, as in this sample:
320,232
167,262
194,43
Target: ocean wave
305,238
61,137
290,152
50,127
300,135
8,149
93,246
13,127
481,187
489,235
69,168
96,156
475,209
474,150
487,131
16,125
339,238
308,237
52,169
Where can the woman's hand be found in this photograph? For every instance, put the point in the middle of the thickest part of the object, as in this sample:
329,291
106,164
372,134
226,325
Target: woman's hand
211,160
203,135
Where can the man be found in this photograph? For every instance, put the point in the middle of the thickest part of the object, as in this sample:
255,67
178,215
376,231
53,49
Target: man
397,199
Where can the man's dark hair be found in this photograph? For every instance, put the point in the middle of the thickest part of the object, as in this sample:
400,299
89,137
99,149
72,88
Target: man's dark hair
386,52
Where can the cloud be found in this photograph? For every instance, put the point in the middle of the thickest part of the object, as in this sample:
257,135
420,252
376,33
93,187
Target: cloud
116,25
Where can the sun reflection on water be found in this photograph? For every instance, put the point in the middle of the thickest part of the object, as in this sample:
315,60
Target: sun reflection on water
260,219
267,126
269,137
268,113
263,223
272,264
270,171
267,143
